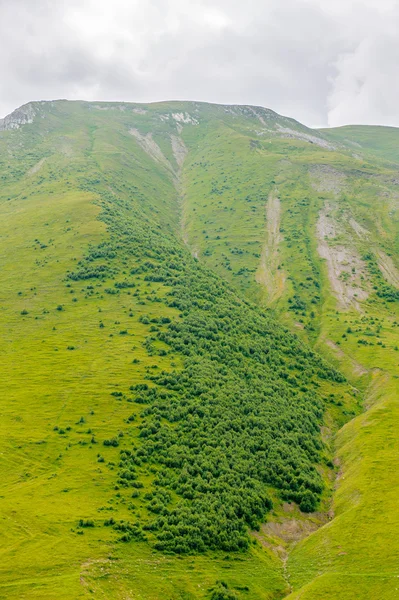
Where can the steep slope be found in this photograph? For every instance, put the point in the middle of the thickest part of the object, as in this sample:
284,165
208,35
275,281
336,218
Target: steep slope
330,272
152,406
148,409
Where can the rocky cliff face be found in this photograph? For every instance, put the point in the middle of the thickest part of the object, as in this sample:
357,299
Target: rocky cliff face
21,116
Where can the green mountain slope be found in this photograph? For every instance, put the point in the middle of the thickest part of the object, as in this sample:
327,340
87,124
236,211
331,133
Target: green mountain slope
375,141
317,241
162,430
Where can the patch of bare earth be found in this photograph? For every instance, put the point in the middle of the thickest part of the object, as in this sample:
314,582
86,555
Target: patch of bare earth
89,565
256,114
36,168
281,535
179,150
346,270
149,145
327,179
269,275
305,137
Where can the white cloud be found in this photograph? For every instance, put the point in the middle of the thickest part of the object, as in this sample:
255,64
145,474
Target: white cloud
316,60
365,88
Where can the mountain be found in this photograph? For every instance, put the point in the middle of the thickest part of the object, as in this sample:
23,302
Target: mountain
200,334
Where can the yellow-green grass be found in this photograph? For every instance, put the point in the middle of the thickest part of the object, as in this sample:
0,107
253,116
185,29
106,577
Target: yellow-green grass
50,480
371,141
136,572
356,554
59,367
59,370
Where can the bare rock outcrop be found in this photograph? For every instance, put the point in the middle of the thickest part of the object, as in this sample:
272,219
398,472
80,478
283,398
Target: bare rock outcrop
21,116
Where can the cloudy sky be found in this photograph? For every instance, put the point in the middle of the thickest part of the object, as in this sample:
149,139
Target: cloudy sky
324,62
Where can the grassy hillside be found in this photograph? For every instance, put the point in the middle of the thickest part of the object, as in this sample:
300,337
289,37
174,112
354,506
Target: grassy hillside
166,434
151,416
312,232
373,141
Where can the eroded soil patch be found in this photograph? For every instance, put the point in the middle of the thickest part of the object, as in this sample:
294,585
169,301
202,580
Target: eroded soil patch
346,270
327,179
269,274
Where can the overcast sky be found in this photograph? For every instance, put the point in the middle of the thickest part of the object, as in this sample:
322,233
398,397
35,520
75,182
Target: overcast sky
323,62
